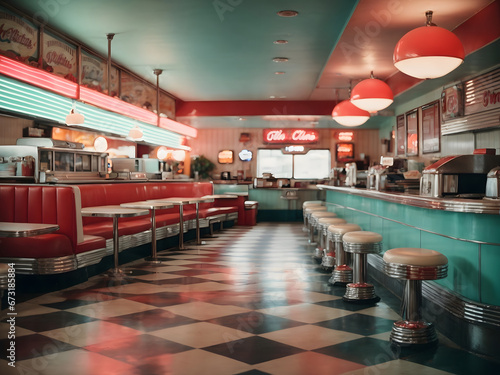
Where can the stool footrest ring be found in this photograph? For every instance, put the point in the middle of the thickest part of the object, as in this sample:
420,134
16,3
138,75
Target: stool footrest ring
328,262
341,274
360,293
408,333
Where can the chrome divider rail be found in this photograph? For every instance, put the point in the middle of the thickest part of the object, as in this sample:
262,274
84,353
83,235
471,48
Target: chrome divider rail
458,306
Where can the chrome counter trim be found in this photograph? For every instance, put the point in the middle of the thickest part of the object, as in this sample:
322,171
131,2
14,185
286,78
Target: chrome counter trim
412,226
90,257
460,307
42,266
477,206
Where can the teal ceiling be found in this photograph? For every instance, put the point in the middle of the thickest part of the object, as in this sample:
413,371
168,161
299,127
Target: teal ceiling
222,50
209,50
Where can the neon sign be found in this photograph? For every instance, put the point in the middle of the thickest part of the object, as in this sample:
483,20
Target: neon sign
345,136
290,136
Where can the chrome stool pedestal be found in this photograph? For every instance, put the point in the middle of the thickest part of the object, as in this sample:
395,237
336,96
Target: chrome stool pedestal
322,225
414,265
315,231
309,204
308,211
360,244
342,273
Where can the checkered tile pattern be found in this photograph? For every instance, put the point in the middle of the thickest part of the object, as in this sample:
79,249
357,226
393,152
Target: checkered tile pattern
249,301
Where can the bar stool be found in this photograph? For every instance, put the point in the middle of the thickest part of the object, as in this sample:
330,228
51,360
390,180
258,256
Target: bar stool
323,248
342,273
313,223
309,204
308,212
414,265
360,244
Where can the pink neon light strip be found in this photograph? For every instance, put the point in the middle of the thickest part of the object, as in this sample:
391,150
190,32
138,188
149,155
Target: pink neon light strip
45,80
116,105
37,77
179,128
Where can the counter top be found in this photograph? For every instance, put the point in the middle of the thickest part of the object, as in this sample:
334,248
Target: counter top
478,206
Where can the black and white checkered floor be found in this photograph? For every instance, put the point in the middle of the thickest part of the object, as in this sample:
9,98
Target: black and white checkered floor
251,301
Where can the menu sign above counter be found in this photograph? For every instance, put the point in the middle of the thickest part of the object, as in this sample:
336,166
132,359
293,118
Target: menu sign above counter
282,136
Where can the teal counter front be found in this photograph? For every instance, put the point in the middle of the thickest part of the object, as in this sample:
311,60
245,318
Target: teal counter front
467,231
461,229
282,204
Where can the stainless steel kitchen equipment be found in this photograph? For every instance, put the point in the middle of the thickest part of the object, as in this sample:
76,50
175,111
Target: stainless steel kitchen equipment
137,168
40,160
462,176
493,183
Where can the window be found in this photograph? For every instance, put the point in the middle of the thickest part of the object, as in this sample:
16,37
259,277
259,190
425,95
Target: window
275,162
313,165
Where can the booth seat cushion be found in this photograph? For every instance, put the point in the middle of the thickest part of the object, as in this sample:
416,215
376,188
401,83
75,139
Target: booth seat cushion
90,243
42,246
214,211
162,220
104,228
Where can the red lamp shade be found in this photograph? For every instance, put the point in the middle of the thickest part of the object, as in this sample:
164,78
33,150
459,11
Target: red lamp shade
372,95
428,52
347,114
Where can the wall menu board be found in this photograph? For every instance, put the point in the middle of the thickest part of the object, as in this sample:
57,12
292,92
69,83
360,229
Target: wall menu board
136,92
167,105
431,128
344,152
225,157
400,135
18,38
93,72
59,57
412,133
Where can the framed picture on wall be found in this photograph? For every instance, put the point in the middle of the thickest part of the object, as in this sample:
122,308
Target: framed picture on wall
412,133
431,128
400,135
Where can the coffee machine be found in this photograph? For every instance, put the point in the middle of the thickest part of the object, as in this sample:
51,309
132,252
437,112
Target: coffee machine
462,176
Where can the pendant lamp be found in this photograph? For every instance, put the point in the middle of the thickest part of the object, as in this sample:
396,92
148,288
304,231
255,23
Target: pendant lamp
347,114
74,118
372,95
428,51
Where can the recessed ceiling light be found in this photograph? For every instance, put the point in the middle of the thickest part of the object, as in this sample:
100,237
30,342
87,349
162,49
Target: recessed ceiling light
272,97
288,13
280,41
280,59
278,73
242,119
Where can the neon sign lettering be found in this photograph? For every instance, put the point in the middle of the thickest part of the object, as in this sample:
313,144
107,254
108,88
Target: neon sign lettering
290,136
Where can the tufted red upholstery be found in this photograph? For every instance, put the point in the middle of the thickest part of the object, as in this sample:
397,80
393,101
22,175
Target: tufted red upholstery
114,194
40,204
43,246
58,205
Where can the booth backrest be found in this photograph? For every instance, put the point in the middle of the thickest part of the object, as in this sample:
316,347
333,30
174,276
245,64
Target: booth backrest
43,204
117,193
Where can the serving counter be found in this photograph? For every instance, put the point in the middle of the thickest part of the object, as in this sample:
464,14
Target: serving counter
465,230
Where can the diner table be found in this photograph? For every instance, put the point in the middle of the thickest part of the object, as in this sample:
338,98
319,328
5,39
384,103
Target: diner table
114,212
221,196
9,229
152,206
181,202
